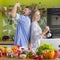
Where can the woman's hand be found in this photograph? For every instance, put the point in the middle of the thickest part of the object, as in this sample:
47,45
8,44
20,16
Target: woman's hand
47,28
45,31
42,36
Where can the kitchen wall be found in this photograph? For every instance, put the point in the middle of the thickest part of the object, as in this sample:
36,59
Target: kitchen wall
45,3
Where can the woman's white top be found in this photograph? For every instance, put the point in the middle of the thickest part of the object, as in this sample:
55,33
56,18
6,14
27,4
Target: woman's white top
35,35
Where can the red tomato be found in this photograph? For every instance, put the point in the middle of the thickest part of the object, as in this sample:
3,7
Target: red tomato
40,57
19,52
1,55
56,54
35,56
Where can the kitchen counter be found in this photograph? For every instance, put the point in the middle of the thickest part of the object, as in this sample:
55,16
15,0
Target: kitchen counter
54,41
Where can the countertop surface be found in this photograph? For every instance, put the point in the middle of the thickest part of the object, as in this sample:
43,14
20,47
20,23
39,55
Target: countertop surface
6,58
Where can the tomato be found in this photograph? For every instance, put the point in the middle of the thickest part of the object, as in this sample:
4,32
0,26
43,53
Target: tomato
19,52
35,56
40,57
56,54
1,54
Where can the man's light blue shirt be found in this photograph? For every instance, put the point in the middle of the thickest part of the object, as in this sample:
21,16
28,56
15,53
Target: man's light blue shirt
22,31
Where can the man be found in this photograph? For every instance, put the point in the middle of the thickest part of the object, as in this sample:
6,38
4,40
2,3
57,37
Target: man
23,28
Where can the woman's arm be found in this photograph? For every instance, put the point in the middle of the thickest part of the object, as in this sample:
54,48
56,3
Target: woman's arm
45,31
14,10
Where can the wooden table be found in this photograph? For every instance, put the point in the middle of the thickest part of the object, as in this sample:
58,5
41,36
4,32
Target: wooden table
6,58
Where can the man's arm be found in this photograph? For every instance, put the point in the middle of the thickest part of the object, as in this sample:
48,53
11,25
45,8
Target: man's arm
14,10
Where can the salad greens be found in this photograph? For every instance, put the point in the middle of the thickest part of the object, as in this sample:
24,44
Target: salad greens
44,47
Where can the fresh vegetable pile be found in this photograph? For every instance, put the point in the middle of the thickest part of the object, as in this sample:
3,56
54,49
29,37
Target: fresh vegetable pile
45,47
16,52
45,51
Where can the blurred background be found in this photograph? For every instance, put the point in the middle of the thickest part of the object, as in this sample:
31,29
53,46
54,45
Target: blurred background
8,24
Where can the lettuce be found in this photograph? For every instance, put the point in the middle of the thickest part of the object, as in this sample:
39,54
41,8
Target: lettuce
44,47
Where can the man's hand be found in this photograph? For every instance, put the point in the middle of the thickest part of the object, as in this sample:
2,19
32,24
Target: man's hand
17,4
14,10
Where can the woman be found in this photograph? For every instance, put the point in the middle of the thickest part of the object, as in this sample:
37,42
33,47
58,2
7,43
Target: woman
36,31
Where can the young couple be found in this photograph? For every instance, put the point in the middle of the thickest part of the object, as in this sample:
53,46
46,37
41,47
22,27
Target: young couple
25,28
